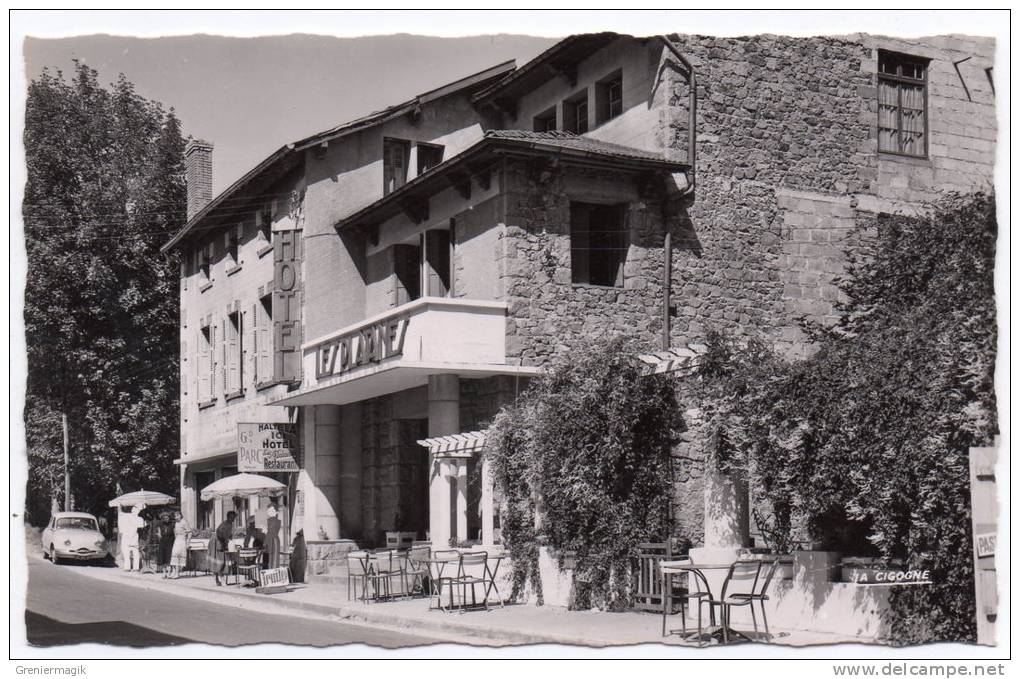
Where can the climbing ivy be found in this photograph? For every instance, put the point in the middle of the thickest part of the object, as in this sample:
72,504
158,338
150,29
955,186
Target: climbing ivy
587,448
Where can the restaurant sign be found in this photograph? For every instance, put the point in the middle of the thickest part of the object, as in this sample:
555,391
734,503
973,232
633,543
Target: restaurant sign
267,447
272,577
369,344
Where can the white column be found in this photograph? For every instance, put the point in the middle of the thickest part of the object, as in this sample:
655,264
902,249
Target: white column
461,469
439,502
306,477
444,419
488,537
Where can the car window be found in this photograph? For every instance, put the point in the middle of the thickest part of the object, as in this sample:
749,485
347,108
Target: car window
79,522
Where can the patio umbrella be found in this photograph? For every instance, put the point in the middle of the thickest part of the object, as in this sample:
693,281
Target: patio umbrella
146,497
243,485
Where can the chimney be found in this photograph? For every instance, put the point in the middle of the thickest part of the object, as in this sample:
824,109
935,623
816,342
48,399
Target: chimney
198,173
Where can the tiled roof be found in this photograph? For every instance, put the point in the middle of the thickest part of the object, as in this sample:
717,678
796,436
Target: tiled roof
569,140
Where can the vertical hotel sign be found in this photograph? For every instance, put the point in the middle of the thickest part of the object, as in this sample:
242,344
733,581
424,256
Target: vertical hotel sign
267,447
286,306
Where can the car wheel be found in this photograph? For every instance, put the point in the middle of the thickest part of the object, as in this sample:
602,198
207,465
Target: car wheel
53,555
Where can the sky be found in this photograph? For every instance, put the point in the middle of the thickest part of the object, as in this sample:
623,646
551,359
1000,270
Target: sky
253,81
250,96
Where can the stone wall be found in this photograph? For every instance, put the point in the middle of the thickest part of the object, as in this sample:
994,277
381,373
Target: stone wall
787,167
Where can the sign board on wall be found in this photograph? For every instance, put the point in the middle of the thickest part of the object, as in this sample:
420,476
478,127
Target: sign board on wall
267,447
286,306
370,344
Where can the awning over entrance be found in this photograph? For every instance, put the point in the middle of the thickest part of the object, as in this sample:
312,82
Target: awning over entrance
455,445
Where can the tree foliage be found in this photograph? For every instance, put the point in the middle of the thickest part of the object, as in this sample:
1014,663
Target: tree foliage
105,189
874,428
587,447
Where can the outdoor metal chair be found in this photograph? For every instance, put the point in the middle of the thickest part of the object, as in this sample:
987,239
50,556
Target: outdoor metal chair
416,570
741,580
473,570
444,567
695,586
760,593
357,572
249,563
384,568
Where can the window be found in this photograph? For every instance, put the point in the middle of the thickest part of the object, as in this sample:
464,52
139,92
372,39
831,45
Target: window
263,314
407,272
233,358
206,365
545,121
437,262
575,113
429,155
203,263
206,518
902,103
396,153
598,243
609,97
231,241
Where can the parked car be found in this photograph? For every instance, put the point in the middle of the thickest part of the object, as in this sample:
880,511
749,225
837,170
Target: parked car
73,535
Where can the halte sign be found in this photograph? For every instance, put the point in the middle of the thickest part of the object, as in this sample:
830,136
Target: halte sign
267,447
370,344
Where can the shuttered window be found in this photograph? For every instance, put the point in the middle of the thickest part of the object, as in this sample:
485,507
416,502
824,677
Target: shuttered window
437,262
264,340
233,348
407,273
206,365
396,153
902,104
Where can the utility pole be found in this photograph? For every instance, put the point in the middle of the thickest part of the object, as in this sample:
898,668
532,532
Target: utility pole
67,473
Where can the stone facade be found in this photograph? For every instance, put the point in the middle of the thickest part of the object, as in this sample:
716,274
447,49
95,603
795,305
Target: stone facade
787,168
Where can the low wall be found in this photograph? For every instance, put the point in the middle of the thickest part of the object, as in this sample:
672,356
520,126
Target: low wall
328,557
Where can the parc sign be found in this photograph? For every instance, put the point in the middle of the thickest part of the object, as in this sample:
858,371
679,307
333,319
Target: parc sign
267,447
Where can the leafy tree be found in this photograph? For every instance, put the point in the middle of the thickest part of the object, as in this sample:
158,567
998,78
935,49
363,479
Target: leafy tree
876,425
105,189
587,447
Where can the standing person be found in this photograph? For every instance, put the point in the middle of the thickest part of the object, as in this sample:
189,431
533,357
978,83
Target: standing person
166,542
298,557
179,552
273,526
219,545
128,525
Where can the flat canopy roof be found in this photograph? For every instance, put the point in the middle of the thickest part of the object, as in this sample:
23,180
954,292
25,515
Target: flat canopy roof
480,158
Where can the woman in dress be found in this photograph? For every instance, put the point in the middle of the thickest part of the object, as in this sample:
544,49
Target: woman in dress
272,545
179,553
166,542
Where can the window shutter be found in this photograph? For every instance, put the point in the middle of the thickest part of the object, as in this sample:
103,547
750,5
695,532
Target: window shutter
437,256
203,366
579,243
232,351
253,351
407,270
622,240
213,386
264,345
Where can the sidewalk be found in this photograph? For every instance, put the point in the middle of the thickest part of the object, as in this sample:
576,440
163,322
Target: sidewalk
510,625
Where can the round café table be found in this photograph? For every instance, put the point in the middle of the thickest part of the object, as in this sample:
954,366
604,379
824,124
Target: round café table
671,568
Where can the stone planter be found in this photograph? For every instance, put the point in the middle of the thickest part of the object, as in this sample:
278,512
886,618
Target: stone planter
328,557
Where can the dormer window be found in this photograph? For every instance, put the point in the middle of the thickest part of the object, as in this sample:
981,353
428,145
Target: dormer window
575,113
545,121
429,155
609,97
396,153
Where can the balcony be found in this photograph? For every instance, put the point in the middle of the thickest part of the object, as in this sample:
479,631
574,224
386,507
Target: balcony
400,348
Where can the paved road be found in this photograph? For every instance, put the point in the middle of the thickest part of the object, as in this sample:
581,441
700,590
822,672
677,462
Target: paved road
66,607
